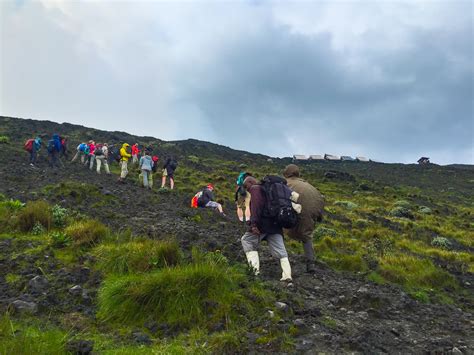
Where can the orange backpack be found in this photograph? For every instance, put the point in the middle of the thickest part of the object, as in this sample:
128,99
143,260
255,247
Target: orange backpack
194,200
28,146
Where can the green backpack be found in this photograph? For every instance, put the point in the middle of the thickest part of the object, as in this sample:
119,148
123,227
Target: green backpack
241,178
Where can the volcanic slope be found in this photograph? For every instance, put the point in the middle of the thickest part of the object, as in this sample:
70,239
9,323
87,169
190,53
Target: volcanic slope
383,224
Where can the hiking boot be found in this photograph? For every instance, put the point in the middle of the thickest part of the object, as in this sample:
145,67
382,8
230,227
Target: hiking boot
310,267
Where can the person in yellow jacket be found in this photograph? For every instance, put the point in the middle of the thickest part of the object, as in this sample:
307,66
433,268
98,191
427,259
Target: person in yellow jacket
124,161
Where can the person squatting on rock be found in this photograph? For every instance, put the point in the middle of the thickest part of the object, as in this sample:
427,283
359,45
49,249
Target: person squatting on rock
263,228
205,199
54,148
33,146
80,152
146,167
312,203
168,171
242,198
135,152
101,153
124,156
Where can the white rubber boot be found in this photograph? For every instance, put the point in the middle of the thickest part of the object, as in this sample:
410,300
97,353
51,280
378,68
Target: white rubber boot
286,269
254,261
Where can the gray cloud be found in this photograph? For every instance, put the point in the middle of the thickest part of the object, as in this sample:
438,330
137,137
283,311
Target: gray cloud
392,81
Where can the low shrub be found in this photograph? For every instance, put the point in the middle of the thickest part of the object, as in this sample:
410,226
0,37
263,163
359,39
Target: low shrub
137,256
86,233
183,296
321,232
441,242
425,210
4,140
402,203
34,212
38,229
347,204
401,212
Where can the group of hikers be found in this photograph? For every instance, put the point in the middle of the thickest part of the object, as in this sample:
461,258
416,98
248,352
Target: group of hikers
269,208
102,155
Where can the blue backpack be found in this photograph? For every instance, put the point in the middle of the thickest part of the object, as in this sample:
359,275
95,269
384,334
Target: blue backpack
51,146
82,147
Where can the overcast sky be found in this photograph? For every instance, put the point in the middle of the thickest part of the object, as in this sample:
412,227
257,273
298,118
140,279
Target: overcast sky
389,80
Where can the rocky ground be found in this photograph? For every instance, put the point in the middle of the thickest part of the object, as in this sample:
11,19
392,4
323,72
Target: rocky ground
334,312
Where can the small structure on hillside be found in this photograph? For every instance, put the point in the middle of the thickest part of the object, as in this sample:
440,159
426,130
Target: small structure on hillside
316,157
362,159
424,160
298,157
331,157
347,158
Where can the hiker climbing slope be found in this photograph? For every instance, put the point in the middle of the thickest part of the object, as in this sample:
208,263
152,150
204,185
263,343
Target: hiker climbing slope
168,171
101,157
124,156
242,198
146,167
33,146
262,227
312,203
54,148
80,152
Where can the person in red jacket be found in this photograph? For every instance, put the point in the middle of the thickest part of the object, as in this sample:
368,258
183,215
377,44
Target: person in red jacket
135,152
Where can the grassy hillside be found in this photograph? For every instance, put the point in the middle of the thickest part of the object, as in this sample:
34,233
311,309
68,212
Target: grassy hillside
109,266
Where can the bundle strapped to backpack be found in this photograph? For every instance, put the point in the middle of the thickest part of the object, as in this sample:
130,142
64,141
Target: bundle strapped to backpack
28,146
195,200
278,201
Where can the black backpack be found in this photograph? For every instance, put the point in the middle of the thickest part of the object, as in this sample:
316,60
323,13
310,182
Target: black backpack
98,151
51,147
278,201
173,164
114,154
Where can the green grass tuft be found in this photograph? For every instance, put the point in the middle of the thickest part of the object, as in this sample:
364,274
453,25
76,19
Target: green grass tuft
137,256
183,296
86,233
35,212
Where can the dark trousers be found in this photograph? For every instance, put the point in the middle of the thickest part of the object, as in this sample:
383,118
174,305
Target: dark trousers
54,159
33,156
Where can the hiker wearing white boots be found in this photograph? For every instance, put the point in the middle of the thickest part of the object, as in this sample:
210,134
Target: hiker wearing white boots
263,227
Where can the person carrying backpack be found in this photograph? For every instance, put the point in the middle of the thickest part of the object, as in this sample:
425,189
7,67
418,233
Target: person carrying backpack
33,146
135,152
90,154
312,203
64,151
146,166
124,156
242,198
205,199
168,171
80,152
101,157
54,148
264,226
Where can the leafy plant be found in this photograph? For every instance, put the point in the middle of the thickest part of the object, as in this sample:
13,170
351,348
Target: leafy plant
4,140
59,216
60,240
38,229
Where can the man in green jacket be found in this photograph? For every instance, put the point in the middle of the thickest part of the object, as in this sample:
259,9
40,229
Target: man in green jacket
312,203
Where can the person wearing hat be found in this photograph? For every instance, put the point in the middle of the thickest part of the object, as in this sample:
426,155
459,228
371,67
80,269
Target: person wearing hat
312,203
206,200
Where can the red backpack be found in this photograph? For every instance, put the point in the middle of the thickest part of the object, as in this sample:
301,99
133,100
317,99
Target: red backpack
194,200
28,146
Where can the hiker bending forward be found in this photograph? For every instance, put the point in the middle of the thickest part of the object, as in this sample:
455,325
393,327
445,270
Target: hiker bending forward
263,228
312,203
